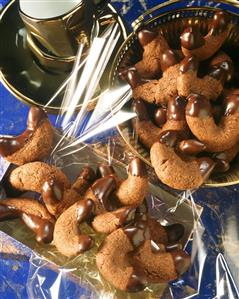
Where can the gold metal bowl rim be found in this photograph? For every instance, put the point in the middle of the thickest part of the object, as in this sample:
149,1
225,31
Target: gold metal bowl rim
135,26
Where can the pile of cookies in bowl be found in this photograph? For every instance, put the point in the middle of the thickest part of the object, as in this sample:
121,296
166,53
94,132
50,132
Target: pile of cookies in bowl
186,102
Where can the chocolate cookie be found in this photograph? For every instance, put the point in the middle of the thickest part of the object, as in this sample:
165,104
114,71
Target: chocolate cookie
34,144
68,238
32,176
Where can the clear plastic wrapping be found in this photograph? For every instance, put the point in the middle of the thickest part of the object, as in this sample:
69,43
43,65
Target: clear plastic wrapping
209,215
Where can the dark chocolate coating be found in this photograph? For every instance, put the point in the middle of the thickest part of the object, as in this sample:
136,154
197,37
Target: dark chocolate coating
35,117
191,38
160,116
220,22
176,109
221,166
9,145
219,74
231,104
138,233
41,227
133,78
145,36
189,63
140,109
168,59
102,189
85,208
170,138
125,215
191,147
137,168
198,106
7,213
104,170
52,191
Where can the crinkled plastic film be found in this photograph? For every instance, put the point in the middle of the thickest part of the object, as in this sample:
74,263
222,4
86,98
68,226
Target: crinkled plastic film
210,215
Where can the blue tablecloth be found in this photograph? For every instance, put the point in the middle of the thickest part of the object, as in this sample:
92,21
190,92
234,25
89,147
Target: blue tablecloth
13,115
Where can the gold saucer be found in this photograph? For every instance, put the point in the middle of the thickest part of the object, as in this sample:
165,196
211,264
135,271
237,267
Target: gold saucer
23,75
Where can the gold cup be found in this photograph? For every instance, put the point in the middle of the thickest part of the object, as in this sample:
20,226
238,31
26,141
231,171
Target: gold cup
47,60
172,23
56,30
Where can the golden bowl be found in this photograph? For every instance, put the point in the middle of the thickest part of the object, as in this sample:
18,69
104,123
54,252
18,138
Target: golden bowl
172,17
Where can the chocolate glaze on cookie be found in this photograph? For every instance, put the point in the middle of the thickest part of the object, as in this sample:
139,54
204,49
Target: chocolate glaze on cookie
198,106
192,38
160,116
67,234
170,138
137,168
125,215
134,79
189,63
52,191
176,109
41,227
219,23
9,145
145,36
102,189
140,109
33,214
137,280
7,213
110,221
219,74
168,59
191,147
231,104
104,170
